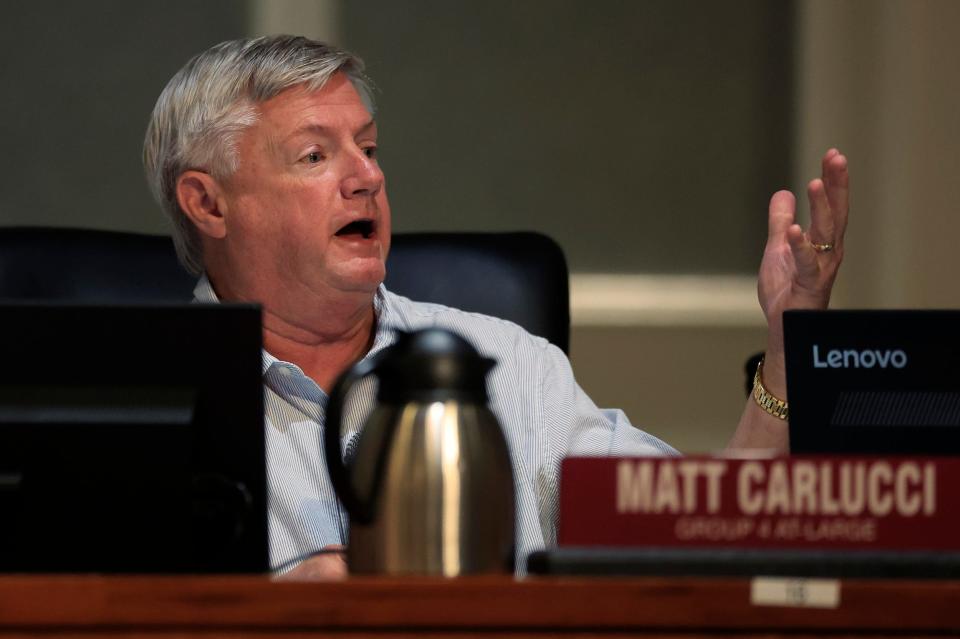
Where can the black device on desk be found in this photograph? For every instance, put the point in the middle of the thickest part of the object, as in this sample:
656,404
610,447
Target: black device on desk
878,381
131,439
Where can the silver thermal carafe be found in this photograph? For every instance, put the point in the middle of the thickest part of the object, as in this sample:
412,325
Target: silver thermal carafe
430,488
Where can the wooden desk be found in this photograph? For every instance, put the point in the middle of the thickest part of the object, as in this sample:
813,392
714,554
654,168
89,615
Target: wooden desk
361,607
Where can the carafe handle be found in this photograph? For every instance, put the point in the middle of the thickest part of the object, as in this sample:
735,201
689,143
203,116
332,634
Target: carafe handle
358,510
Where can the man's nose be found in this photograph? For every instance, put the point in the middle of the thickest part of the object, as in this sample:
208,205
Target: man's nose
364,178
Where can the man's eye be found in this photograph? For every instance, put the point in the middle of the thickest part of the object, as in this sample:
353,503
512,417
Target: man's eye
370,152
313,157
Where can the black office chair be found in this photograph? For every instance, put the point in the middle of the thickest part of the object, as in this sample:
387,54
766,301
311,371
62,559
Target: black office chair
521,277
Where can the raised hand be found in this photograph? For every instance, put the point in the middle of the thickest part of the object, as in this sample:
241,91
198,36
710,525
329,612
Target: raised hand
799,268
797,271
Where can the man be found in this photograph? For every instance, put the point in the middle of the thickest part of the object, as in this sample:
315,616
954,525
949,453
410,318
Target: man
263,152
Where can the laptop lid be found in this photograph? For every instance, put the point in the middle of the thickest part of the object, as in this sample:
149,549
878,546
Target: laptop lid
875,381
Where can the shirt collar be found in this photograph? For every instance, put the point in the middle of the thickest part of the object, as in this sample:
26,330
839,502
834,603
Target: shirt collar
203,292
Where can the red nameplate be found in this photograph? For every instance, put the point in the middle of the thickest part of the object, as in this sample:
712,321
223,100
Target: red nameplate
877,503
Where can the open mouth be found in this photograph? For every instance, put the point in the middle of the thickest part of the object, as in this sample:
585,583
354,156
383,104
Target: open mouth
362,228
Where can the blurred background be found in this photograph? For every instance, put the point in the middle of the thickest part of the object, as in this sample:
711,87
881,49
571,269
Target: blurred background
645,137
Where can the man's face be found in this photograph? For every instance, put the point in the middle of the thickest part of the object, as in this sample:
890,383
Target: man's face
307,209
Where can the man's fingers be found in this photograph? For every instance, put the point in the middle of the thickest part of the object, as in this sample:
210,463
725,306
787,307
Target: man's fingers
821,219
827,157
782,213
804,256
836,180
326,567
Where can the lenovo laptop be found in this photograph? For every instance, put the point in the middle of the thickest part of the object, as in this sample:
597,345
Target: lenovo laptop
878,381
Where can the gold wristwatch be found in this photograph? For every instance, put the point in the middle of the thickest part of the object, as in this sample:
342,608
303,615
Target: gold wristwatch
767,400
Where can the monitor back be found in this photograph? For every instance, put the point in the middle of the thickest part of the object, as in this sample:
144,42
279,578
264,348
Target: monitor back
878,381
131,439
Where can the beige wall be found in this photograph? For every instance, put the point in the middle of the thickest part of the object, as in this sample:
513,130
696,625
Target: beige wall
879,79
876,78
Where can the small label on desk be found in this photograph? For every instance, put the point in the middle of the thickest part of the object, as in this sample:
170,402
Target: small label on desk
795,592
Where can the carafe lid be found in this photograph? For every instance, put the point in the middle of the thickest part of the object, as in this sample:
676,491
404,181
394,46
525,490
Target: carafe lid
433,364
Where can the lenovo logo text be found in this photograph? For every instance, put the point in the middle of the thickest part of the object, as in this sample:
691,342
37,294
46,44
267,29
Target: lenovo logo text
866,358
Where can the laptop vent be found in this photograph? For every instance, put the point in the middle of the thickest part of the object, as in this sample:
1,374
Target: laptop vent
892,408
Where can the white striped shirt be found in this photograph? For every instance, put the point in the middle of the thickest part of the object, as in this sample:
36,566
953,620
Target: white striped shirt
545,416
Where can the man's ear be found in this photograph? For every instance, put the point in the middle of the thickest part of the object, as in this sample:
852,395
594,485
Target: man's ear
201,199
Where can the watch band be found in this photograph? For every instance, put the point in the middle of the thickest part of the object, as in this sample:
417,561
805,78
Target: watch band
767,400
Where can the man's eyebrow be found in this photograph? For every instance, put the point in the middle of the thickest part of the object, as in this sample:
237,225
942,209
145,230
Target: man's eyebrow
314,127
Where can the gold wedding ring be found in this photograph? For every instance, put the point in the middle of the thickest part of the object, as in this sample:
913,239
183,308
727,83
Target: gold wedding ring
822,248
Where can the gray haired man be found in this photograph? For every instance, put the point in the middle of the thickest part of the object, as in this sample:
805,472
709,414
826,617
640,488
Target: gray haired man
264,154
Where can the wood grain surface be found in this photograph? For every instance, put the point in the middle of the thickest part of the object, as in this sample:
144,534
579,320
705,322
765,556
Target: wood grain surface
256,606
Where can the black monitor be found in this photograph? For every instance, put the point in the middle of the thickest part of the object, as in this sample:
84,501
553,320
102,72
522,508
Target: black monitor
873,381
131,439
